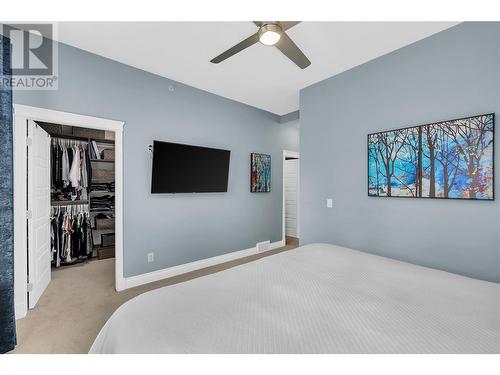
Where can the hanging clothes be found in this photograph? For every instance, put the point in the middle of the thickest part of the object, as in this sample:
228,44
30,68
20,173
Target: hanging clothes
65,167
70,169
75,172
84,174
71,234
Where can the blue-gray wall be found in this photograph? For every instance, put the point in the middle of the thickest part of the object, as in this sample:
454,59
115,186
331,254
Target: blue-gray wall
179,228
455,73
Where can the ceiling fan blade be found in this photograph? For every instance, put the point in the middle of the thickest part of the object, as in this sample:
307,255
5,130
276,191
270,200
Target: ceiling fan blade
290,50
237,48
285,25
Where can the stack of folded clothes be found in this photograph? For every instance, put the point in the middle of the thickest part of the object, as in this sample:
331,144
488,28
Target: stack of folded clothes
103,186
102,203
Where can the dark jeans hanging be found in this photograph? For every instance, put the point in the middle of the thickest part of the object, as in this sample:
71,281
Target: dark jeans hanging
7,316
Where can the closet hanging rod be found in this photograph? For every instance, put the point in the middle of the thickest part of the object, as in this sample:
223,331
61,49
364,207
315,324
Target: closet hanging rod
86,139
69,143
69,203
70,137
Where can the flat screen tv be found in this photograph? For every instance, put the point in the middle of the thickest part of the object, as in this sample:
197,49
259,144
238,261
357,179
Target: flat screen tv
179,168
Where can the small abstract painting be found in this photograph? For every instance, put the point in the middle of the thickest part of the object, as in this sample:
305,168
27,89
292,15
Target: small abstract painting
260,173
451,159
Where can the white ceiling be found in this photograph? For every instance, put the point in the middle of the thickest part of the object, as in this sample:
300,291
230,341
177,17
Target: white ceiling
260,76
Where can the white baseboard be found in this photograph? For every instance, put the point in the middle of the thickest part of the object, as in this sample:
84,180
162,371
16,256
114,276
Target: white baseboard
133,281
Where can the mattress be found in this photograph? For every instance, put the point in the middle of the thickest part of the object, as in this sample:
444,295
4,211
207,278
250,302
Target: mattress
317,298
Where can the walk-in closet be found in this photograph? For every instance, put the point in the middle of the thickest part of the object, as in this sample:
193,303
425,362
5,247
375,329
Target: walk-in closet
82,189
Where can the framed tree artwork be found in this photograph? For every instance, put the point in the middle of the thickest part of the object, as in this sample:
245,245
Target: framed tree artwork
450,160
260,173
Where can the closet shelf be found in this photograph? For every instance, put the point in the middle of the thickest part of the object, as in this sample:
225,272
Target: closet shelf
68,203
93,210
101,181
102,160
104,231
109,141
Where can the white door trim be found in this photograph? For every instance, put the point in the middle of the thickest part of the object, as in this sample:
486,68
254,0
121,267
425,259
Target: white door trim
21,114
290,154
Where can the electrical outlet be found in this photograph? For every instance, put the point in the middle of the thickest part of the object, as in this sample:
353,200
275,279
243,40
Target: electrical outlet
151,257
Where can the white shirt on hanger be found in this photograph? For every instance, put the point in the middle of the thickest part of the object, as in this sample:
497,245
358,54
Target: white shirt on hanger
74,172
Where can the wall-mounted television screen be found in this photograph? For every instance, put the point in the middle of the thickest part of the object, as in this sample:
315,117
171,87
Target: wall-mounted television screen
179,168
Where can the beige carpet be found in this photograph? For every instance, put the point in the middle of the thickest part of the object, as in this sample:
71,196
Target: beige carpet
81,298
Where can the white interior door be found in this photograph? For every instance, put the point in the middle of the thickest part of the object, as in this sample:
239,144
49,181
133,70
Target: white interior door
291,197
38,212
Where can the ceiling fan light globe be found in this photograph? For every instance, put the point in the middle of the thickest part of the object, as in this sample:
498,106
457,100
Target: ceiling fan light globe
270,34
270,38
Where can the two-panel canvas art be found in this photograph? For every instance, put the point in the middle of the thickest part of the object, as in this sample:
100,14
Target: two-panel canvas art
450,159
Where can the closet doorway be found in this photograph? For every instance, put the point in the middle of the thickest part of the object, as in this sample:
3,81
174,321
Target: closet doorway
68,181
291,162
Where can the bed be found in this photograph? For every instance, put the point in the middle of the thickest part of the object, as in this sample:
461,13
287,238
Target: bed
317,298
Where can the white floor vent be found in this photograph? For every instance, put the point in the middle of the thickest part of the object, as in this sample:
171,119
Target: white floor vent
263,246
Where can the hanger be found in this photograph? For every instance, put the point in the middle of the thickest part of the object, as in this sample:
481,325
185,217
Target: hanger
65,142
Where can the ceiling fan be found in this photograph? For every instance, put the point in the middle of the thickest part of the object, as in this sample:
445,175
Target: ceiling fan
270,33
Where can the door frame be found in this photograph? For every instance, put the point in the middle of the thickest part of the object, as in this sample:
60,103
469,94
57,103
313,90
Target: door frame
290,154
22,114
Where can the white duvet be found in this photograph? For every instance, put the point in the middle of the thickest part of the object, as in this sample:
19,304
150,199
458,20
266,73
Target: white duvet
315,299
